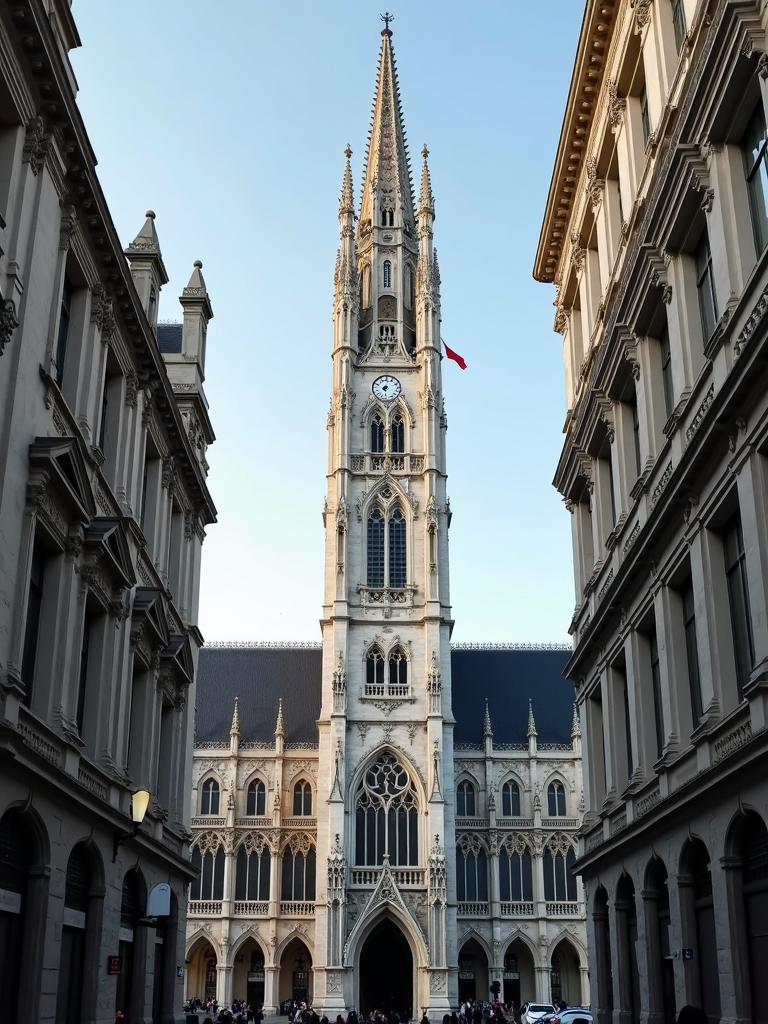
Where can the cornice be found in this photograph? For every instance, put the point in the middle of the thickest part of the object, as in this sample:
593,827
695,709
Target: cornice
595,37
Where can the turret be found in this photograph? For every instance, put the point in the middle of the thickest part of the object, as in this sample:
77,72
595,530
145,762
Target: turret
198,312
147,268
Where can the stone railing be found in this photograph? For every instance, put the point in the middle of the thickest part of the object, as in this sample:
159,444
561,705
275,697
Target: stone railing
299,822
404,877
560,822
519,909
204,908
251,908
297,909
564,910
473,910
514,822
206,821
386,690
251,821
472,823
394,462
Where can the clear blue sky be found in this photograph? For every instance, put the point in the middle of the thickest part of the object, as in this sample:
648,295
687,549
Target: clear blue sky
229,120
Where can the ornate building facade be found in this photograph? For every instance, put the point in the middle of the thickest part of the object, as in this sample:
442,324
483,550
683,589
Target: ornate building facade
655,236
378,841
103,509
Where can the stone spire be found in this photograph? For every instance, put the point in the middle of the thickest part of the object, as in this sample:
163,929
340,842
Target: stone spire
347,199
147,267
345,274
531,720
575,724
426,199
387,179
235,729
279,727
487,731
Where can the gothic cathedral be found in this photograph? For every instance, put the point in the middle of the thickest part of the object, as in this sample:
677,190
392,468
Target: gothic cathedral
380,821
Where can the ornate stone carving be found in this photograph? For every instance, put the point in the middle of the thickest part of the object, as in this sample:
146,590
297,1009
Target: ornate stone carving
68,225
8,322
37,144
616,105
577,253
594,185
642,9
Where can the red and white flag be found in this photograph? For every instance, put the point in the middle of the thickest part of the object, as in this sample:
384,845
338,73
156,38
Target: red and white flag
454,356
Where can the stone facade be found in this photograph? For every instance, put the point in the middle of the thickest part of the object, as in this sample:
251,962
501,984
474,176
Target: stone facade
655,237
402,832
103,509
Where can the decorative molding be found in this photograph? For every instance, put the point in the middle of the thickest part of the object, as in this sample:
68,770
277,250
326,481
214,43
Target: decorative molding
701,412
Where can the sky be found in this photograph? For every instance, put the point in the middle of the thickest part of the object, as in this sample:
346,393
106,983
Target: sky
229,120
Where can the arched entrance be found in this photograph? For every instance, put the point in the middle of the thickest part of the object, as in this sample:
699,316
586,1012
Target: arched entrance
473,972
565,974
248,974
519,974
296,973
386,971
201,971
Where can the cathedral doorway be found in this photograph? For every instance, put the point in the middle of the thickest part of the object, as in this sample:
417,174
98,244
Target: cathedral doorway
248,974
519,974
386,972
565,974
473,972
295,973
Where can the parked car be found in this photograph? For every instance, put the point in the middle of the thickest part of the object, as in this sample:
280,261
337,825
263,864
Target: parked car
573,1015
532,1013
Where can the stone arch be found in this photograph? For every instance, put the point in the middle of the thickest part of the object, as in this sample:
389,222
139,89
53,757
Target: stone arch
736,826
209,773
653,870
298,840
280,948
569,983
201,935
472,933
250,935
368,920
377,497
402,755
37,828
303,778
527,941
510,775
254,835
195,975
401,406
568,790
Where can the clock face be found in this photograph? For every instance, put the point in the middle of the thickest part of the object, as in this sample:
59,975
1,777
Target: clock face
386,388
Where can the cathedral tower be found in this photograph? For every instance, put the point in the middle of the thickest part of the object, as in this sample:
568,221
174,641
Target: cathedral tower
385,728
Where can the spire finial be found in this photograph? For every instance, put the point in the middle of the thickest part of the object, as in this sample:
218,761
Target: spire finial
348,151
575,724
347,199
487,731
279,729
426,199
531,720
235,730
424,151
386,17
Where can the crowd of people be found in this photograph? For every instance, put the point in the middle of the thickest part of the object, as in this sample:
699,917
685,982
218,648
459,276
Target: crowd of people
238,1013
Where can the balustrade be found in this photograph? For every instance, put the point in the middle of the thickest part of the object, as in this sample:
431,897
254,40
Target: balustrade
250,908
296,909
473,910
519,909
204,908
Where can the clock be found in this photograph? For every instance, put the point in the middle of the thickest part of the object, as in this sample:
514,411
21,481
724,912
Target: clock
386,388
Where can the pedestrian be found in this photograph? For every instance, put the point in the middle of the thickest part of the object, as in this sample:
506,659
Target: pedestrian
692,1015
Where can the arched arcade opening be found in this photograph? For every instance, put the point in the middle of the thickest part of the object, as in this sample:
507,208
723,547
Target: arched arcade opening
386,971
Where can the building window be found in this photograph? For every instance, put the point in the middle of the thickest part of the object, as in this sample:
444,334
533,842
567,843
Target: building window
559,879
678,23
375,574
465,800
374,667
705,283
645,116
398,434
252,876
471,871
83,673
32,628
510,800
658,712
302,799
377,434
62,337
387,274
738,600
298,873
692,652
387,815
397,549
209,884
209,803
515,872
636,433
256,799
756,170
556,800
666,371
398,668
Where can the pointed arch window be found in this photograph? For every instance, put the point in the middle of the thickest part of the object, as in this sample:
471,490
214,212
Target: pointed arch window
256,800
398,668
387,816
302,799
209,800
559,879
465,800
299,869
510,800
252,873
471,870
377,433
556,800
397,548
515,871
375,548
374,668
397,434
387,274
209,884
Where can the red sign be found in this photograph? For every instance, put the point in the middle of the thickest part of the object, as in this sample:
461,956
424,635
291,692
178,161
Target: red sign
114,964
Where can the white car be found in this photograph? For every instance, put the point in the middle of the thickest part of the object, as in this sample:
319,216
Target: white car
532,1012
573,1015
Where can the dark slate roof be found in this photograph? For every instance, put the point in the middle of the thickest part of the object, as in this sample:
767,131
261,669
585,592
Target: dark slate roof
169,337
508,678
259,676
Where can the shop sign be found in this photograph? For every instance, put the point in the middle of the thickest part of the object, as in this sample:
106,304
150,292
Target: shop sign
114,964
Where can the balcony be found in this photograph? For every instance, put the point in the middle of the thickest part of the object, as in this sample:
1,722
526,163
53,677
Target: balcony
514,822
380,463
299,822
560,822
405,878
472,823
520,909
251,821
207,821
295,909
473,910
564,910
384,690
204,908
386,598
250,908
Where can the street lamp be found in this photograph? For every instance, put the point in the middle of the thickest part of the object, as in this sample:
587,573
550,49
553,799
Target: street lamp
139,803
